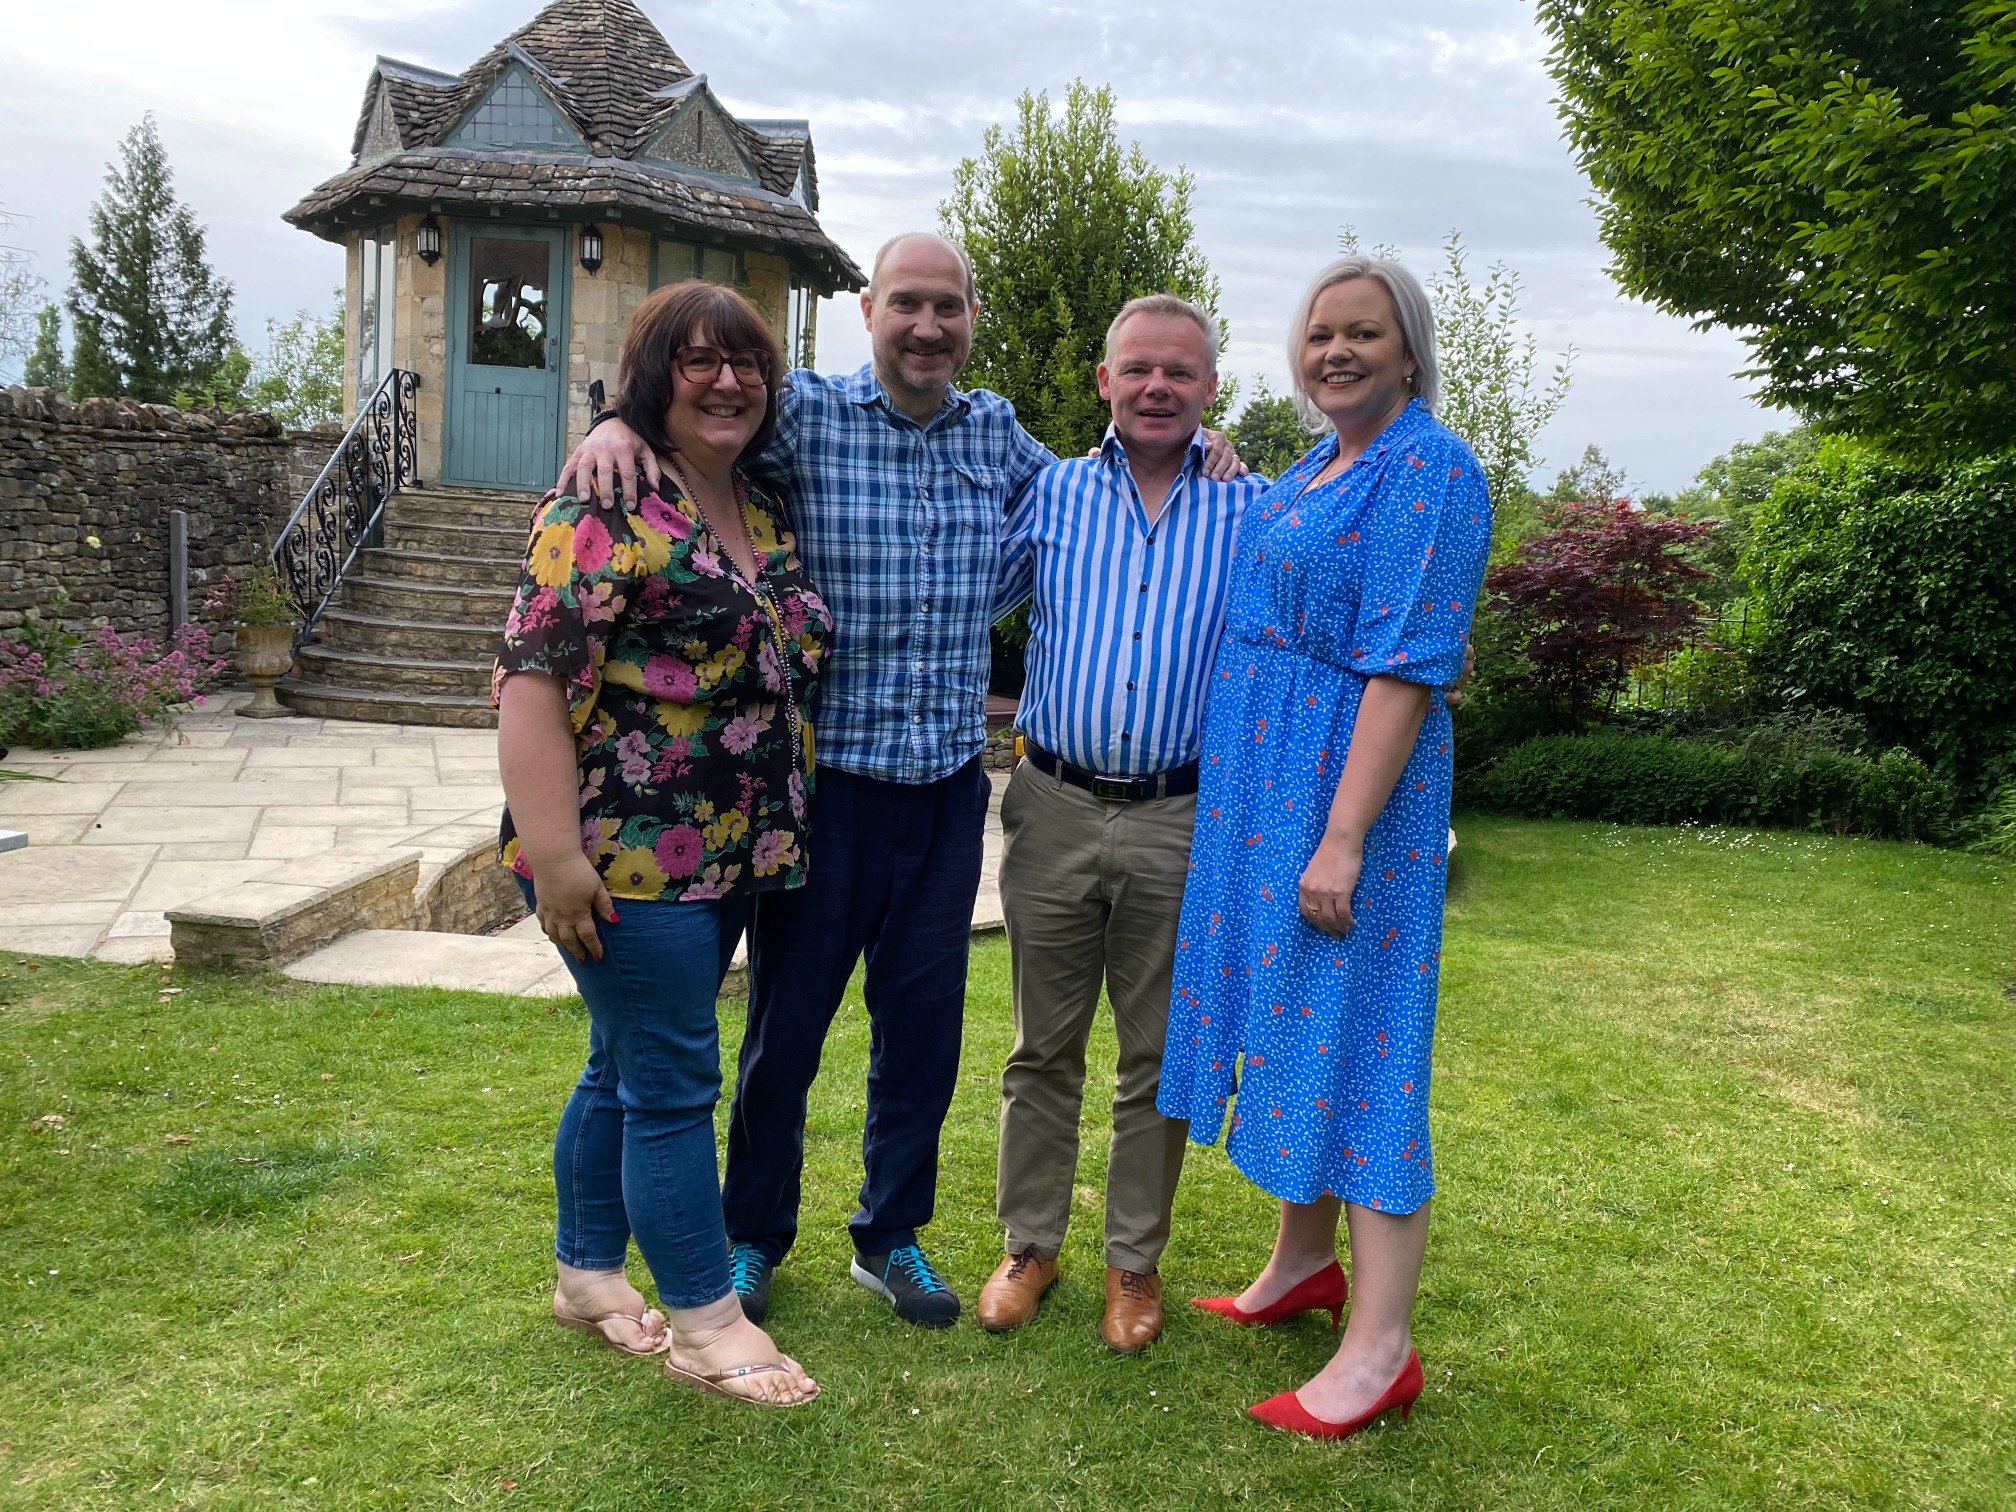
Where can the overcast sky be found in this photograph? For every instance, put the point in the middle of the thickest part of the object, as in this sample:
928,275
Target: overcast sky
1404,122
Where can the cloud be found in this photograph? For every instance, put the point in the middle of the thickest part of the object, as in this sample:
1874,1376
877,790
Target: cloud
1405,123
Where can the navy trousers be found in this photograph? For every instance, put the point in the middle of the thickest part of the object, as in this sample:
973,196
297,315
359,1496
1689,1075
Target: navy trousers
894,870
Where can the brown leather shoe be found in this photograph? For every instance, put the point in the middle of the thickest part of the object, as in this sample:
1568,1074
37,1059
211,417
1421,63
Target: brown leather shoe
1015,1290
1133,1317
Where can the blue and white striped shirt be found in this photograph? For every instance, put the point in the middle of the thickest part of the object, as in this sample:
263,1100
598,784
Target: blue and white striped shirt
1125,614
900,527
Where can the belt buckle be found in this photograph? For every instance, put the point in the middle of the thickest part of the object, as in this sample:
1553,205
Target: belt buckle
1113,789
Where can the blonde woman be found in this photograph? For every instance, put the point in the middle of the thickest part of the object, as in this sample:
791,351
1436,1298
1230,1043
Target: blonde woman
1310,941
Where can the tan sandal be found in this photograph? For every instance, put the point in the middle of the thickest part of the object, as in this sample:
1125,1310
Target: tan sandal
712,1384
594,1324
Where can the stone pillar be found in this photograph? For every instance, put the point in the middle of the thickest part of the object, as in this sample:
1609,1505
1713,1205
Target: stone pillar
420,336
599,307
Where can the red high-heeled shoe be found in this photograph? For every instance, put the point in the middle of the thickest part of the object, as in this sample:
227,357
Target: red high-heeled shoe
1286,1410
1323,1292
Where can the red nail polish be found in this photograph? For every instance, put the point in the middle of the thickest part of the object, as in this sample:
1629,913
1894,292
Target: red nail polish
615,917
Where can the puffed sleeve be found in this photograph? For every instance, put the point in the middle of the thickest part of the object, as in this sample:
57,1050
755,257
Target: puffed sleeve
1427,537
576,580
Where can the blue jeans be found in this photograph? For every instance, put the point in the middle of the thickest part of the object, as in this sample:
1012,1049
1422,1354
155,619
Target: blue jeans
635,1150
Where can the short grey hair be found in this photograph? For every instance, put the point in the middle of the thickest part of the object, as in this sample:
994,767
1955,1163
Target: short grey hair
882,255
1168,304
1410,304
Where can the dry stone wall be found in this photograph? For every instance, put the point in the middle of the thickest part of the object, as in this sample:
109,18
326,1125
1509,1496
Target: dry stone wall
109,471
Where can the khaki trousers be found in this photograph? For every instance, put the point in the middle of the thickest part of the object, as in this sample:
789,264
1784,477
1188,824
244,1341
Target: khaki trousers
1092,892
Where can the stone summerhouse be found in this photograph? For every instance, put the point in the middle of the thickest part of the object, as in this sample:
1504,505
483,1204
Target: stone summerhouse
501,225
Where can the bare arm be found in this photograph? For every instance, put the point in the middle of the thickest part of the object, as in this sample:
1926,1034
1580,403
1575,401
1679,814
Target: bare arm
542,785
1390,712
609,454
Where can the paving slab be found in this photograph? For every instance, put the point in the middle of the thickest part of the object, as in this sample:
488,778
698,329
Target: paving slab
53,829
170,884
422,958
159,824
50,939
280,841
20,799
48,873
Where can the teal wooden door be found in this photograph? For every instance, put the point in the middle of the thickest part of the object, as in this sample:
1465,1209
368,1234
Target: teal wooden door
507,354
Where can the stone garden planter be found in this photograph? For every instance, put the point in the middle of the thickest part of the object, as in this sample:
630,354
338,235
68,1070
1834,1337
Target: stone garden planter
264,653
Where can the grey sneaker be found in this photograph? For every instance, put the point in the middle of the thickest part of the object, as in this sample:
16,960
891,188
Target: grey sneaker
916,1290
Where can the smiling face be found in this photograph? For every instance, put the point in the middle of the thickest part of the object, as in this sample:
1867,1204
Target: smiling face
1158,380
1355,364
920,319
713,420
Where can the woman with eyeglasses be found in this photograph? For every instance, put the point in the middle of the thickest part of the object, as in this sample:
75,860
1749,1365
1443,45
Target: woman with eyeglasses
654,734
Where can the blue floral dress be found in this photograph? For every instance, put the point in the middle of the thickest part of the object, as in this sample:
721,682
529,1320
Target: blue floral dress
1374,574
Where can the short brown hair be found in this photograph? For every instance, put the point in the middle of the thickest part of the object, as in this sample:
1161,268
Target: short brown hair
665,322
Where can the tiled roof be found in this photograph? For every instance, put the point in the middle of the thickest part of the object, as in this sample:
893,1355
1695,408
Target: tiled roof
582,188
616,80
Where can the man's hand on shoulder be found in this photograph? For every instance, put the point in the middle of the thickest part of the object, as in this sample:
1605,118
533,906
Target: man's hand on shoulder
1222,463
609,455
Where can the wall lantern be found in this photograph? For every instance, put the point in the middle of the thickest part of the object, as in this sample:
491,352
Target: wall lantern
427,241
591,247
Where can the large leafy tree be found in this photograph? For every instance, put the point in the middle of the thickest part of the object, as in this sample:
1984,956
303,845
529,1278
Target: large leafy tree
299,380
1889,591
1836,180
1064,226
151,318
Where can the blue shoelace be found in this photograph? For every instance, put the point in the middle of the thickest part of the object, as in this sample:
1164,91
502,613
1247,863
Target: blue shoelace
745,1268
916,1269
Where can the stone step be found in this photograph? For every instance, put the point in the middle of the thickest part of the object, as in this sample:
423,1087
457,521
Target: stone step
381,635
319,701
395,565
375,671
434,602
402,534
460,506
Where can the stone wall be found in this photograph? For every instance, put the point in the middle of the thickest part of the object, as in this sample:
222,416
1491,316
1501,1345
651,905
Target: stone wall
109,471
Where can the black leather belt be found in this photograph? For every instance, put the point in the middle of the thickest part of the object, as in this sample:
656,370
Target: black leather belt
1173,783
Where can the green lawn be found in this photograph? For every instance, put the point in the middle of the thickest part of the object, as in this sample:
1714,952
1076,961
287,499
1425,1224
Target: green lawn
1726,1131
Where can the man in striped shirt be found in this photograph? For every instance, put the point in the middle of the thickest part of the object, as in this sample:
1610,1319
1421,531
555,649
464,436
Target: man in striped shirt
1125,557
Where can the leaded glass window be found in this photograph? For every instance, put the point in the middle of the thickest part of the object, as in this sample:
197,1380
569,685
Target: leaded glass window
515,115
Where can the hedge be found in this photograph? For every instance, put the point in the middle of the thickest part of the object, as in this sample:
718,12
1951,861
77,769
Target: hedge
1651,779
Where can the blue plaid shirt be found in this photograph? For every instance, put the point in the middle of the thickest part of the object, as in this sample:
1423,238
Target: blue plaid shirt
900,526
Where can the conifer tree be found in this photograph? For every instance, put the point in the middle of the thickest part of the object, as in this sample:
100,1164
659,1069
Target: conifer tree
46,366
151,318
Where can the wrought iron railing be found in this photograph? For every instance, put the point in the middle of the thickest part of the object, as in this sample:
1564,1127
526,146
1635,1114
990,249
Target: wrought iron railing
341,513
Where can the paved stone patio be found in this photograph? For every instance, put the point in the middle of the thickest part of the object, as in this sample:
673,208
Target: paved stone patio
121,835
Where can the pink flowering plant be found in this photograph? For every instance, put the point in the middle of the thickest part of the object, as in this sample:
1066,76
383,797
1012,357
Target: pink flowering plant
66,690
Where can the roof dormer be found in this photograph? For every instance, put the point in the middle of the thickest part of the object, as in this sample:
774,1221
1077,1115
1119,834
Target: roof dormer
700,135
516,112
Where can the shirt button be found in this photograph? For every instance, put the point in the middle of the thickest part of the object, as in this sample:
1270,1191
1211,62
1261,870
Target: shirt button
1126,735
1130,687
916,719
1137,635
1144,587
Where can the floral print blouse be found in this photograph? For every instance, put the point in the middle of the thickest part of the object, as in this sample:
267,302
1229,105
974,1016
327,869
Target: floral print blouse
690,691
